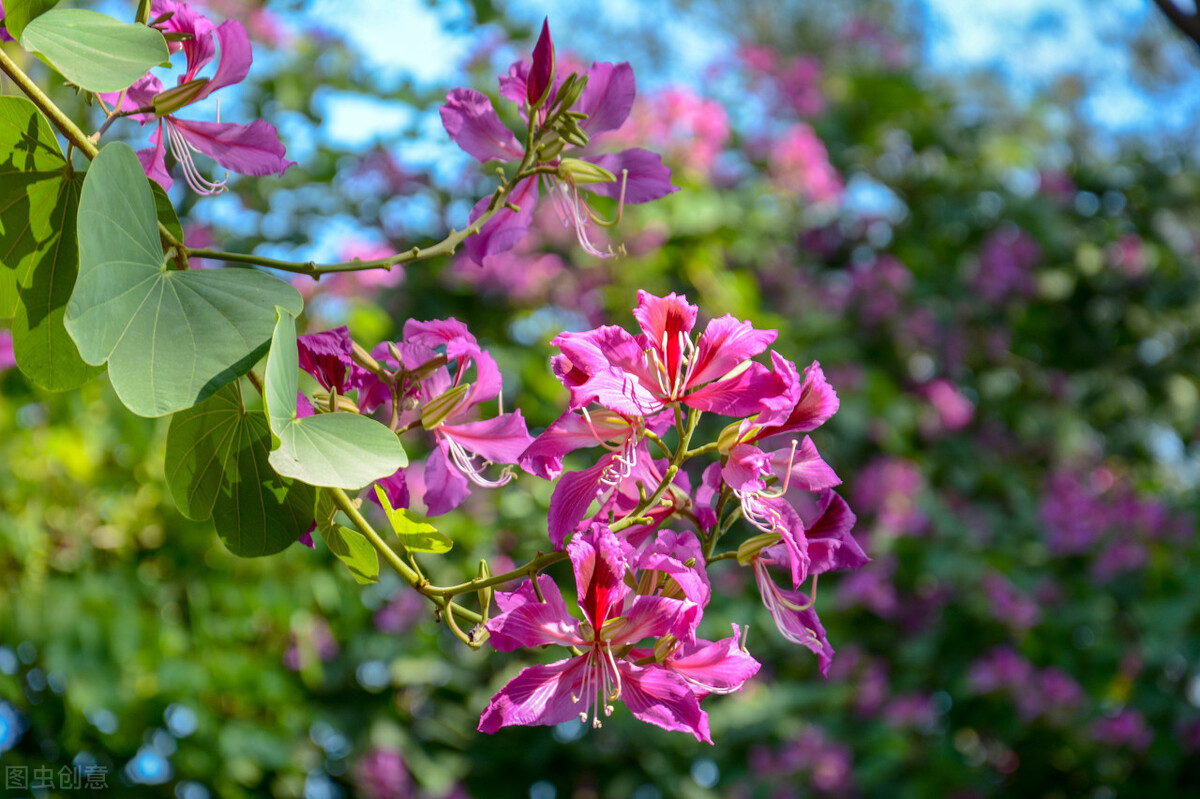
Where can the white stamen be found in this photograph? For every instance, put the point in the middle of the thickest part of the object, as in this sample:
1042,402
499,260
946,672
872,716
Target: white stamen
465,462
182,149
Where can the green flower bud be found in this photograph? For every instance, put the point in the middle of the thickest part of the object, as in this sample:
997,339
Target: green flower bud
583,173
438,408
750,548
172,100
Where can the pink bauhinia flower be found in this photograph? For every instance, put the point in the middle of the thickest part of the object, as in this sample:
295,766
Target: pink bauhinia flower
444,402
641,375
615,618
574,492
631,176
760,482
252,149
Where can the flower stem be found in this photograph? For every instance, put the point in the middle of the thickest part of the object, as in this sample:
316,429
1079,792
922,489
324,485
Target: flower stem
406,572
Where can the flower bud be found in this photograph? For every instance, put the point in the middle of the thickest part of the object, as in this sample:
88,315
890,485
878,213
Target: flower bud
570,131
438,408
664,646
750,548
612,628
729,438
484,594
172,100
583,173
571,90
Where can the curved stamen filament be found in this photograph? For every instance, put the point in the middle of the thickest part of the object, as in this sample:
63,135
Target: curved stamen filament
573,213
587,417
182,149
620,205
775,493
465,462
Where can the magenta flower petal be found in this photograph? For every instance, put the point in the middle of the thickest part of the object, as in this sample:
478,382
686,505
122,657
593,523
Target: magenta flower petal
745,394
668,554
499,440
395,486
304,408
502,232
654,616
659,697
514,83
809,471
599,560
747,468
618,391
570,432
252,149
818,401
647,178
573,495
541,72
798,626
538,695
445,486
510,600
830,545
535,624
719,667
486,386
726,343
608,97
236,57
473,124
327,357
139,95
154,159
450,333
665,321
199,49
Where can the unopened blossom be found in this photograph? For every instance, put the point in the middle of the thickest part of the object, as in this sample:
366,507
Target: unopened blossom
631,176
252,149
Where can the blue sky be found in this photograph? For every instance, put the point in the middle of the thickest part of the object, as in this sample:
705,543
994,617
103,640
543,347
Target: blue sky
1029,42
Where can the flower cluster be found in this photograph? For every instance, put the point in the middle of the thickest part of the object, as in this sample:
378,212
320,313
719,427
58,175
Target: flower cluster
252,149
642,588
562,115
435,378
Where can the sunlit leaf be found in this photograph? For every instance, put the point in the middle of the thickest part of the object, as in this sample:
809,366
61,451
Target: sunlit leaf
94,51
171,338
341,450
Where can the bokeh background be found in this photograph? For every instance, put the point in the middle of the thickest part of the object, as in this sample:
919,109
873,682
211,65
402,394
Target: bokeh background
982,218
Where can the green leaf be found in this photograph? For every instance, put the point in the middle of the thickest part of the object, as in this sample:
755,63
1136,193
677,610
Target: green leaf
18,13
94,51
171,338
216,465
39,197
340,450
415,532
165,211
353,549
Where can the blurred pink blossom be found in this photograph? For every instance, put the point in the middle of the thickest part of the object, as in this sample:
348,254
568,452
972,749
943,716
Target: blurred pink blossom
799,163
1126,728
